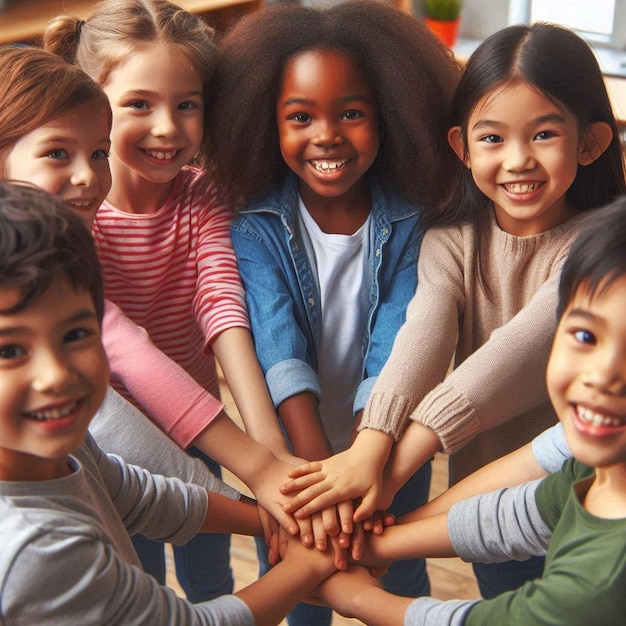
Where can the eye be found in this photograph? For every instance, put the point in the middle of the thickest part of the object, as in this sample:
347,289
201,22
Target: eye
140,105
585,336
491,139
58,154
77,334
100,154
187,106
352,115
544,134
301,118
11,351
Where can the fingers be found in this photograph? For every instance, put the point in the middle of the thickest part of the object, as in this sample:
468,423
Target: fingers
305,468
358,542
366,508
340,554
329,518
306,531
318,532
345,510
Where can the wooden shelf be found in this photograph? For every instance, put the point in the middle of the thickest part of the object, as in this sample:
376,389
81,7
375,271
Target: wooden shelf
25,20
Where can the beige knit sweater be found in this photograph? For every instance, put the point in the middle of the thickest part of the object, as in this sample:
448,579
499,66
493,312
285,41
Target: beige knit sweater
495,399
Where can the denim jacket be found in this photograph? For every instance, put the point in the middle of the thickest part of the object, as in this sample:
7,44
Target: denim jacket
283,296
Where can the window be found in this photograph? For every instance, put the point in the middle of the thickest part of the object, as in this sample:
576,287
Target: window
602,22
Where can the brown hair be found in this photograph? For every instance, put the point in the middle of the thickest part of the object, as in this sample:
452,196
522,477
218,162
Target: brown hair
40,238
36,88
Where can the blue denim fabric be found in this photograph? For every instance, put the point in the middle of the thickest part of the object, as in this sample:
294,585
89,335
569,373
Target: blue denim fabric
202,564
283,297
405,578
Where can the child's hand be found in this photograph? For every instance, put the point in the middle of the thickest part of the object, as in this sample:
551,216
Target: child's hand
342,590
292,549
266,489
339,478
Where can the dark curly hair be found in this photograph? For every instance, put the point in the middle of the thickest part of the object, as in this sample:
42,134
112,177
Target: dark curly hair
412,75
40,238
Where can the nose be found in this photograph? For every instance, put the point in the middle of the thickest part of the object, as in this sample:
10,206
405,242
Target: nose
607,372
83,174
164,123
53,373
518,157
327,133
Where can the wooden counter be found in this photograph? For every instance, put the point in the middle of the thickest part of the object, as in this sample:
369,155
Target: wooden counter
25,20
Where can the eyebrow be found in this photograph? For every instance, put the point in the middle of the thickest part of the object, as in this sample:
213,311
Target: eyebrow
142,93
79,316
583,314
345,100
551,118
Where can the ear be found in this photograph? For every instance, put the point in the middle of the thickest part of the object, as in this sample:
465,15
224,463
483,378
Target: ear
455,139
595,141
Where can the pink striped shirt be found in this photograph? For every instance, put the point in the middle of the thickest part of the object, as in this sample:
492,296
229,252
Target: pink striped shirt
174,272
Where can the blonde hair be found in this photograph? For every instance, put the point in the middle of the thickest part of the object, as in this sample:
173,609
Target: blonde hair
118,27
37,87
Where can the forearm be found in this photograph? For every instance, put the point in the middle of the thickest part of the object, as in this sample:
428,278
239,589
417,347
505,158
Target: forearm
272,596
416,540
377,607
517,467
235,352
416,447
232,448
224,515
300,416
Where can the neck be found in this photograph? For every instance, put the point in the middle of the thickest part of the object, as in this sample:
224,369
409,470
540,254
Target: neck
606,497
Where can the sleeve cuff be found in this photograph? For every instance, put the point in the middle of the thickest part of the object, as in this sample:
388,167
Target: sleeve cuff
287,378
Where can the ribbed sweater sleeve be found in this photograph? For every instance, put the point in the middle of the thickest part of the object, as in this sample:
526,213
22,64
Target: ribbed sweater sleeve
499,337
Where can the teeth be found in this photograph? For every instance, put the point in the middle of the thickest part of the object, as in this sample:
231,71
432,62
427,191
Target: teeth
162,156
596,418
329,166
521,187
81,205
53,414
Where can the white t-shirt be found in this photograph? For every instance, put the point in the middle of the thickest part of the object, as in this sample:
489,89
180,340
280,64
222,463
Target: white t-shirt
339,262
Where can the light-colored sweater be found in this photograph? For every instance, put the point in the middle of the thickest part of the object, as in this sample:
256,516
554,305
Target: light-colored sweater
495,399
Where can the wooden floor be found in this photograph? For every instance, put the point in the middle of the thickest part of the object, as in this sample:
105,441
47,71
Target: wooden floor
449,578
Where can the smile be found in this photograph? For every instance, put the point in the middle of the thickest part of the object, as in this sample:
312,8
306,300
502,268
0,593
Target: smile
53,414
521,188
326,167
597,419
80,204
162,155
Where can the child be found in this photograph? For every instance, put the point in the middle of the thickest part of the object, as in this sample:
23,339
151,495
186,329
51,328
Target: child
65,506
577,515
54,125
163,233
538,145
342,141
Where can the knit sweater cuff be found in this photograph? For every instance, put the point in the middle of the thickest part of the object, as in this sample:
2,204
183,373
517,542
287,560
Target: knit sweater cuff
386,413
450,415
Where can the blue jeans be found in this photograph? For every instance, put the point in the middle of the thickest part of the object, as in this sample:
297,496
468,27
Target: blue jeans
202,564
495,578
405,578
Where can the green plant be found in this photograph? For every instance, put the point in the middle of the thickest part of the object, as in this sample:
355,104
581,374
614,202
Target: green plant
444,10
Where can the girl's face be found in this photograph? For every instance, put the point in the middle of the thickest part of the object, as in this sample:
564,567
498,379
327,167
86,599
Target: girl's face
68,158
157,101
327,122
523,151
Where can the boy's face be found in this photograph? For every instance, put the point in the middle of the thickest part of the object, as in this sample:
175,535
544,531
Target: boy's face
53,377
587,375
